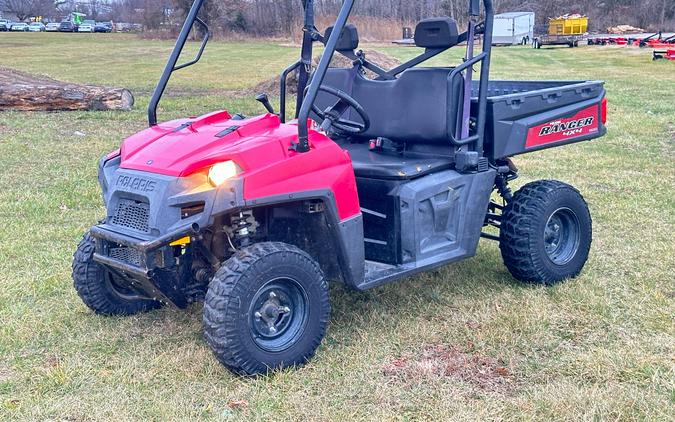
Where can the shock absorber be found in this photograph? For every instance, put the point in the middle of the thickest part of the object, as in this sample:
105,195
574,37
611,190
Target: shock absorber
240,227
503,188
506,172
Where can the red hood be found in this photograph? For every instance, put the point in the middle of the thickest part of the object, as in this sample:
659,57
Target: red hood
182,147
261,148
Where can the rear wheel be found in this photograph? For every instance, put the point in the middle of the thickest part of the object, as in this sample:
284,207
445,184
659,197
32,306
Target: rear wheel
267,307
100,290
546,232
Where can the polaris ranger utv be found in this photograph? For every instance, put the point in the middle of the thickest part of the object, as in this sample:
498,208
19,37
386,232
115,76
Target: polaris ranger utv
374,180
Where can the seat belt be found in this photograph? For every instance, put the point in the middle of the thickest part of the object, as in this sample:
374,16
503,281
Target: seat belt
354,73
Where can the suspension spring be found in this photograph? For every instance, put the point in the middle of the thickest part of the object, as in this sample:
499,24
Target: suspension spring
240,227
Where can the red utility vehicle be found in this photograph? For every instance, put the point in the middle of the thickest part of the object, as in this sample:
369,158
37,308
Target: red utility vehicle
374,180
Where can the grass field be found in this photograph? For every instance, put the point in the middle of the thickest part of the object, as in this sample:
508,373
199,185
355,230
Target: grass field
466,342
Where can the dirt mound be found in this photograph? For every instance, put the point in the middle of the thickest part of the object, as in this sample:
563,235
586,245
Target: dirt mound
439,361
271,86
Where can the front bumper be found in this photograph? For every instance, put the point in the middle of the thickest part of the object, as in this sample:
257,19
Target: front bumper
146,212
149,266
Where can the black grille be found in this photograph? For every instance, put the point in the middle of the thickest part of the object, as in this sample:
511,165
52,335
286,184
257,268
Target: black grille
132,214
128,255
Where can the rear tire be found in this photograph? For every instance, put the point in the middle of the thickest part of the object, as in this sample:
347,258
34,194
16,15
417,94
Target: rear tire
266,308
546,233
98,288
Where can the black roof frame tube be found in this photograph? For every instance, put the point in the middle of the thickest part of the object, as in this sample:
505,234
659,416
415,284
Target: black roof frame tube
484,76
484,59
319,74
171,66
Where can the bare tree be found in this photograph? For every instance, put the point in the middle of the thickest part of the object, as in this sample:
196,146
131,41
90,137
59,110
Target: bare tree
24,9
279,17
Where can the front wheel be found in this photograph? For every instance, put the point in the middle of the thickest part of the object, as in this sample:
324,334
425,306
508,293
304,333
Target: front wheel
266,308
545,233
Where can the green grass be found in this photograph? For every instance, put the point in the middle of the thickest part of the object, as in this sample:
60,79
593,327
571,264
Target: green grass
597,347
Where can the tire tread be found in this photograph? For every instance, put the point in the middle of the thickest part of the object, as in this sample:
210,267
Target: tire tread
225,287
517,231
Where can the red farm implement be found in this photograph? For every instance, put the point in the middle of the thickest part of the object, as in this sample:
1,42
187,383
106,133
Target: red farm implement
664,54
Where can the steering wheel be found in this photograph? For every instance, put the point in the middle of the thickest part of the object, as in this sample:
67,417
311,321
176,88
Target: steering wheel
332,114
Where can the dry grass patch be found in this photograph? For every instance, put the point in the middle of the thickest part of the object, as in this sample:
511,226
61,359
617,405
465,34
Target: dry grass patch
440,361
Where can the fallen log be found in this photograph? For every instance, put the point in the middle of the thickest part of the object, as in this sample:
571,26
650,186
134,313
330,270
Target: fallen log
23,92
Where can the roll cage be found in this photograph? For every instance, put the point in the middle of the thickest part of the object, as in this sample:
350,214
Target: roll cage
309,82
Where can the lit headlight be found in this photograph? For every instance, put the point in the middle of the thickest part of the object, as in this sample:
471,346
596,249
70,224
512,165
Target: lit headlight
220,172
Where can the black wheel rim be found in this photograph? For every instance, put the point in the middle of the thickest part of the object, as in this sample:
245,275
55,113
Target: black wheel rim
278,314
562,236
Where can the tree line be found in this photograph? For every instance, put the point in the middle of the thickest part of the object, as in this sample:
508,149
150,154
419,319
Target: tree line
282,17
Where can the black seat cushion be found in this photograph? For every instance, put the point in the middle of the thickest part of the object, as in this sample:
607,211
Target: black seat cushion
392,165
419,106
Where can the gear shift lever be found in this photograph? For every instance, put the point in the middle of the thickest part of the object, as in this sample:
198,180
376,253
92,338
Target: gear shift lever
265,101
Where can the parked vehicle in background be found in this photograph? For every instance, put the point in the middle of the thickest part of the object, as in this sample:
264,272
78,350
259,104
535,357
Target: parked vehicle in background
103,27
36,27
52,27
67,26
19,27
4,25
513,28
86,26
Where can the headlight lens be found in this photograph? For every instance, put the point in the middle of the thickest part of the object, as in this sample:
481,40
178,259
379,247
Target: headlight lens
220,172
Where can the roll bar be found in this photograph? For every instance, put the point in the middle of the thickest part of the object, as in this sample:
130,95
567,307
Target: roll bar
171,66
319,74
483,58
310,35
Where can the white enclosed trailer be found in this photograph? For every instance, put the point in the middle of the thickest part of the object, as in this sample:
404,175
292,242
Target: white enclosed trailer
513,28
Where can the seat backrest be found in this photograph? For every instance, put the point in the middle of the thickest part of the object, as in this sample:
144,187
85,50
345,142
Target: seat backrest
417,107
436,33
349,38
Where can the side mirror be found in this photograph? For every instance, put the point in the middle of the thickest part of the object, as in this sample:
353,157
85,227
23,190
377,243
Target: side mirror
474,7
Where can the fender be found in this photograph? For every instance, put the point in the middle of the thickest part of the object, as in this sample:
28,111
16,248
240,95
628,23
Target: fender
346,235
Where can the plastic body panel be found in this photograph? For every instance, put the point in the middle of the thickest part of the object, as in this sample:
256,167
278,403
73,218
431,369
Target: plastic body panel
260,146
515,107
413,221
440,216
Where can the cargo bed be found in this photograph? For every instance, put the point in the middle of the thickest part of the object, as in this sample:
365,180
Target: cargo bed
524,116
